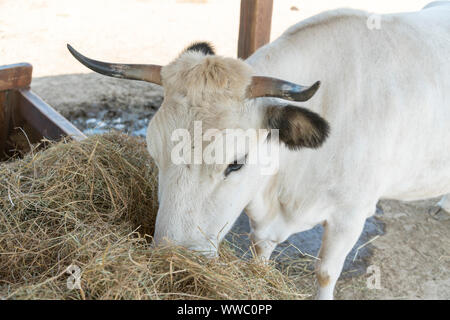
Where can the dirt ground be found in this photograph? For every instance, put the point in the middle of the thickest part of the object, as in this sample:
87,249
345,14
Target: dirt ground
413,256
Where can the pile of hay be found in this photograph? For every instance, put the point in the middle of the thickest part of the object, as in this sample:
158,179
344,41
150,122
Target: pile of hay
92,205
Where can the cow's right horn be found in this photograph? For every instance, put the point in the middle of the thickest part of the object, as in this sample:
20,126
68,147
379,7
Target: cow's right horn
277,88
145,72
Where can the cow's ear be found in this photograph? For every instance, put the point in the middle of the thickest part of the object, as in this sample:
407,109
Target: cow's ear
298,127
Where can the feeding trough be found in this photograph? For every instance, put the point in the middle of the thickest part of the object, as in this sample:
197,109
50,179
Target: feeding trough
25,118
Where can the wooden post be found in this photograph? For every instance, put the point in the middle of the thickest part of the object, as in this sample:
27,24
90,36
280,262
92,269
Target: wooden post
254,26
11,77
15,76
20,107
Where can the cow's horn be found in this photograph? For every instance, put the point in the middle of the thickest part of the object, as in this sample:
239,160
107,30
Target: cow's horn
144,72
277,88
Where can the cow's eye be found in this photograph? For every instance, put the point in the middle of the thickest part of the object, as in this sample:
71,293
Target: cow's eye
235,166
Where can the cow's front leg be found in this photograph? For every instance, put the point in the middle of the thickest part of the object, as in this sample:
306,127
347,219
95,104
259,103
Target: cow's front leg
263,248
339,237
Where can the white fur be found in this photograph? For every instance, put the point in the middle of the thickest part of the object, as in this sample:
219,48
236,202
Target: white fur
386,95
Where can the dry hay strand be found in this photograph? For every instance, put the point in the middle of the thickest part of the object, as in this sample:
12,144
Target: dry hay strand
92,204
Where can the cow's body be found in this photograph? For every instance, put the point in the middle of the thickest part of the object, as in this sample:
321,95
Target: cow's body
386,94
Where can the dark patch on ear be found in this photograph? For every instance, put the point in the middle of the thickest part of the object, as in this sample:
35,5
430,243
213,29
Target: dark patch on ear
299,127
204,47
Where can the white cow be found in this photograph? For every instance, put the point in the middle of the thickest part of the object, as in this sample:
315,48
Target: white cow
385,95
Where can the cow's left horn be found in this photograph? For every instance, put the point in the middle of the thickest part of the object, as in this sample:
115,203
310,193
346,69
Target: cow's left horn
144,72
277,88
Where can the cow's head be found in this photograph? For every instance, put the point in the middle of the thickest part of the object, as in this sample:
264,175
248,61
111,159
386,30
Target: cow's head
202,190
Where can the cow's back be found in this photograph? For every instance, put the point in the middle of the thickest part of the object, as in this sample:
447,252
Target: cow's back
437,4
419,164
386,93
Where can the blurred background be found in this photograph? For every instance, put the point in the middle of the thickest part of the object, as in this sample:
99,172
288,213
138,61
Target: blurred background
141,31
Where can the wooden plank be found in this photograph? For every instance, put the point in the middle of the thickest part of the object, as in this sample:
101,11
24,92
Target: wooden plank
254,26
44,118
15,76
